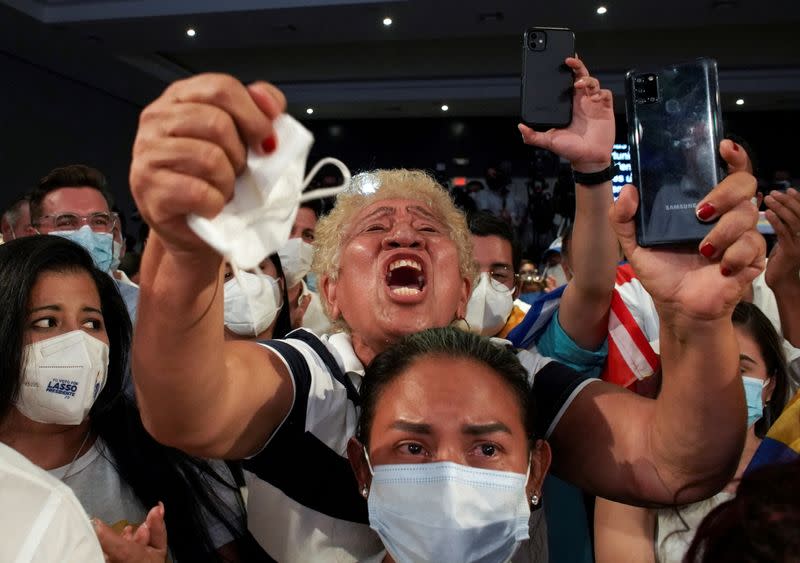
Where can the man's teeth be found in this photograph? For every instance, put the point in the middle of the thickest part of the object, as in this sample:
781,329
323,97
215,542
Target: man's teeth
405,290
408,263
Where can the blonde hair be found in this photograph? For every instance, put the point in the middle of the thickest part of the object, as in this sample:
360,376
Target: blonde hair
377,185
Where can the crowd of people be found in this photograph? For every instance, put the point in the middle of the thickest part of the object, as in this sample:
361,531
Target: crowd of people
394,383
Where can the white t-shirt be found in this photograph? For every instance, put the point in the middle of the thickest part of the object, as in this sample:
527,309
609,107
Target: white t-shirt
677,526
41,520
97,484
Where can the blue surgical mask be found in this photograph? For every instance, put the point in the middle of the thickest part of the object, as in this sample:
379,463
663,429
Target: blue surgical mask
448,513
99,245
311,282
753,390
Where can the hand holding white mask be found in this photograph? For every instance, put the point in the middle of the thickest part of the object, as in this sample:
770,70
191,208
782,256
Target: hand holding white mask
258,220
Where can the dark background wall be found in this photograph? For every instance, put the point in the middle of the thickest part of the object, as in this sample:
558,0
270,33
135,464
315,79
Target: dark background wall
48,120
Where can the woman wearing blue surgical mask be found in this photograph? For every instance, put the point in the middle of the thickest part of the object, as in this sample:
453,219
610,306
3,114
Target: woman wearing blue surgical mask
446,452
65,336
664,535
254,303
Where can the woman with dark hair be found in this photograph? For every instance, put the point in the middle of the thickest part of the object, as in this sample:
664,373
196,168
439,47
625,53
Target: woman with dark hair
628,533
759,525
255,303
65,336
450,466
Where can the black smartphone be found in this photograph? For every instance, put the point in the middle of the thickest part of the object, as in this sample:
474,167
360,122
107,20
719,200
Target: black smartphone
546,89
674,131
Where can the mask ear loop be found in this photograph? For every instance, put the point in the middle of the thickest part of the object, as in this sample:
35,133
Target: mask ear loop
369,464
322,193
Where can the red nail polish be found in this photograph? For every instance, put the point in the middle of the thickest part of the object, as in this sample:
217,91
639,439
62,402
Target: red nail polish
706,212
726,271
707,250
736,147
269,144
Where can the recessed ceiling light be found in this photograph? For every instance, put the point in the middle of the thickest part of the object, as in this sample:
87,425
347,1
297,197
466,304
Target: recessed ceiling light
445,107
191,32
309,111
602,10
740,102
387,21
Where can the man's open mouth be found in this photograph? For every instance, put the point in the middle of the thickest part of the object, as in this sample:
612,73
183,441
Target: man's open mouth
405,277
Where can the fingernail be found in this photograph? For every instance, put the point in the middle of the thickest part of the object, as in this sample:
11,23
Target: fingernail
707,250
579,82
161,506
725,271
95,523
706,212
269,144
736,147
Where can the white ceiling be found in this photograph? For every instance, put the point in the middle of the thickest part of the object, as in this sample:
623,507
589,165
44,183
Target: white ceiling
336,56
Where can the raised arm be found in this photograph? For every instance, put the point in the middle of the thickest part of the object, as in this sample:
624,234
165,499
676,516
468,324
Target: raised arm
685,445
195,391
783,267
587,144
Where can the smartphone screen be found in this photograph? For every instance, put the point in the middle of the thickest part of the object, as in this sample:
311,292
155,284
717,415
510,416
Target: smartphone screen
674,131
546,89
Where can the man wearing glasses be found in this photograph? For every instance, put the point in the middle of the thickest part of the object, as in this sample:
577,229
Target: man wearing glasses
493,308
73,202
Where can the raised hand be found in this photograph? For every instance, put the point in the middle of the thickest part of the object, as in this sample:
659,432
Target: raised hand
147,544
588,140
706,282
191,143
783,213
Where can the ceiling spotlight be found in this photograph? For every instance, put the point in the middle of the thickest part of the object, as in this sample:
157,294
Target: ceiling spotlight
387,21
309,111
740,102
601,10
191,32
445,107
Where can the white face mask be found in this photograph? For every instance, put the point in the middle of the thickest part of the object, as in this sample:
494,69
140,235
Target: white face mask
448,513
489,306
249,310
557,273
296,256
62,377
258,220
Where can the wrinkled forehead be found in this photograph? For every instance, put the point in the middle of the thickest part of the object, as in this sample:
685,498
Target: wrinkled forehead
399,207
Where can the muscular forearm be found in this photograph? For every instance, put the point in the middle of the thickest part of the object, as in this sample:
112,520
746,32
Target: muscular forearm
178,358
593,256
698,421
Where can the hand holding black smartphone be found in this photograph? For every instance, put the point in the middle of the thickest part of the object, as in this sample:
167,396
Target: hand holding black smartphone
546,90
674,130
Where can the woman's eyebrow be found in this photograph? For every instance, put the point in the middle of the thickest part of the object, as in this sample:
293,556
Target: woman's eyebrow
477,429
747,358
415,427
44,308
